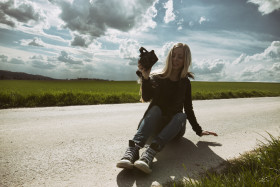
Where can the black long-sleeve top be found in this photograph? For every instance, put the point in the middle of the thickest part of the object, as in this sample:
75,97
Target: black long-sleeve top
171,97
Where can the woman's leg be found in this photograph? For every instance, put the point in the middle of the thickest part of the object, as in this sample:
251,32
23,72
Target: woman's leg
170,131
149,124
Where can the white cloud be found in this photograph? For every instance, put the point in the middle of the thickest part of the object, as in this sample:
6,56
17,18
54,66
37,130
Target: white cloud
271,54
223,70
147,19
95,18
266,6
30,17
202,19
43,65
94,46
252,70
180,23
79,41
129,49
84,41
51,12
14,12
209,69
251,73
54,50
14,52
260,73
5,20
36,57
169,15
64,57
37,42
240,59
16,61
263,66
40,62
273,51
276,67
3,58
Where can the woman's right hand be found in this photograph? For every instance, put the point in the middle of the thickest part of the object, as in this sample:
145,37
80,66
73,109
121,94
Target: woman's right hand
145,73
208,133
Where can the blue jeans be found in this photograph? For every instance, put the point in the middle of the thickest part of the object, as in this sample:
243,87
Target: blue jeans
152,124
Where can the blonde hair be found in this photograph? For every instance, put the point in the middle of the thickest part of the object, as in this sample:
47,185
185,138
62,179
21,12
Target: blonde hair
166,72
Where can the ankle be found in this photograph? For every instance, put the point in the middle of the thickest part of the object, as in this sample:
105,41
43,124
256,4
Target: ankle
155,147
134,144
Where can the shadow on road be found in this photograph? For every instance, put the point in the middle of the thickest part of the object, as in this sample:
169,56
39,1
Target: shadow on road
178,159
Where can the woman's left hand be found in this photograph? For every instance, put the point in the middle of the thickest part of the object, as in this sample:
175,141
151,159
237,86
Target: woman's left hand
208,133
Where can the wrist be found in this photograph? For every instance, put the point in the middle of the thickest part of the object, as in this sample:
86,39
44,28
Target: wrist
146,77
199,133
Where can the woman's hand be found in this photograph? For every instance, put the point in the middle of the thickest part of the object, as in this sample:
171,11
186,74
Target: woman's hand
208,133
145,73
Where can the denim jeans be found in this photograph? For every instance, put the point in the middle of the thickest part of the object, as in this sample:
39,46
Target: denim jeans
152,125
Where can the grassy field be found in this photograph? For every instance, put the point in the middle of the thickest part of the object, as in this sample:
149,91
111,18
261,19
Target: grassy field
21,93
260,167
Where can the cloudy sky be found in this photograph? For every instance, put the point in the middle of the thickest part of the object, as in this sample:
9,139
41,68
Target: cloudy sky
230,40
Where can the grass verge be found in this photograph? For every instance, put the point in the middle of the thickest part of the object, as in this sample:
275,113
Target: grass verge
260,167
24,93
68,98
14,99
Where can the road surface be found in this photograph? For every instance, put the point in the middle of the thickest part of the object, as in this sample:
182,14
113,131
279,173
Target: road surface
80,145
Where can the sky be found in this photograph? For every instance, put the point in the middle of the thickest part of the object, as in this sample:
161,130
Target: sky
230,40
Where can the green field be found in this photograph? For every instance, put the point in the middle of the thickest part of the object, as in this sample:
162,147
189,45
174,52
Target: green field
23,93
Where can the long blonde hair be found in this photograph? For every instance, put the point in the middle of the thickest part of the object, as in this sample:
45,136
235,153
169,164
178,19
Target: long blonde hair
166,72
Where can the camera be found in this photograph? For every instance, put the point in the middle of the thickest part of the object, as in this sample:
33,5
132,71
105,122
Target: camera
147,59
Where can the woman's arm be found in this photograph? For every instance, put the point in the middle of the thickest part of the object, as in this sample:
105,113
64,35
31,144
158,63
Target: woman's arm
188,106
190,113
146,83
146,89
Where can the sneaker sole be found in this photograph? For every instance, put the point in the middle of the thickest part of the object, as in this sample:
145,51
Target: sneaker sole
142,166
126,164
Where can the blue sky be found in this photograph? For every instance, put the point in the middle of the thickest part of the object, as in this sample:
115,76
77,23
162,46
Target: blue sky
230,40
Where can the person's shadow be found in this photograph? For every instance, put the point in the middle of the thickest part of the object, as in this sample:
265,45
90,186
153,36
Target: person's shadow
180,158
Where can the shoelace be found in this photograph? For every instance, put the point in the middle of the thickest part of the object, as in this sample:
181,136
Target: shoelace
148,155
131,152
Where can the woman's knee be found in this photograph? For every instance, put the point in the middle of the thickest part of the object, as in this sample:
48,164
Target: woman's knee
182,117
155,110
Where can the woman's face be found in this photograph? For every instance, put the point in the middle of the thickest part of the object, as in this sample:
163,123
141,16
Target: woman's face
178,58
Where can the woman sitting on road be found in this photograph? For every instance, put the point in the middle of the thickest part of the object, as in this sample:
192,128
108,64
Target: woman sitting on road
169,92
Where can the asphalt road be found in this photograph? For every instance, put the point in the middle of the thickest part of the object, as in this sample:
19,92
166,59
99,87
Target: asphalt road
80,145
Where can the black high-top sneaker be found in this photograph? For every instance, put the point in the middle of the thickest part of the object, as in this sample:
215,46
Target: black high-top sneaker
130,156
146,160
